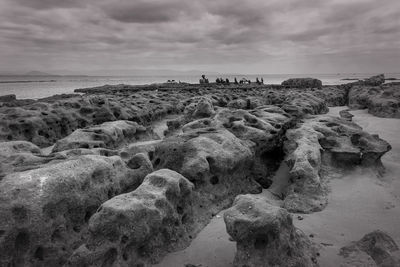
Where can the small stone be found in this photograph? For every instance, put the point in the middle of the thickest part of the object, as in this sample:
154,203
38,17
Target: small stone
300,218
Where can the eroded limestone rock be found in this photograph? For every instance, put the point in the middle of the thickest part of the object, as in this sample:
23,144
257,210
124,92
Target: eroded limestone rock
265,234
340,143
21,155
108,135
382,101
137,228
44,212
302,83
374,249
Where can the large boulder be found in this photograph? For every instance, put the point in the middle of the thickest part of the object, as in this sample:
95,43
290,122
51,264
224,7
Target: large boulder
302,83
265,235
374,80
374,249
44,212
8,98
138,228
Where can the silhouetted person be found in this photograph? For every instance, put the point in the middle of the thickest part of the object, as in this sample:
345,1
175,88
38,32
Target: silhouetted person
227,81
236,82
262,80
257,81
203,79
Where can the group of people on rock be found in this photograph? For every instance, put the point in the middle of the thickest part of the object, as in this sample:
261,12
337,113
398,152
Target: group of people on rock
226,81
203,79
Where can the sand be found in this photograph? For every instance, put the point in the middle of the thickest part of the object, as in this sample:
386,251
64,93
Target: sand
211,247
359,203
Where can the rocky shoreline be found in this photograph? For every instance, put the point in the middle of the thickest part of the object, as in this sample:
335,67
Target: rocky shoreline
115,192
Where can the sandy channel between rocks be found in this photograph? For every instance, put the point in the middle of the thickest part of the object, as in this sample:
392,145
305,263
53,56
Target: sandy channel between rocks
359,203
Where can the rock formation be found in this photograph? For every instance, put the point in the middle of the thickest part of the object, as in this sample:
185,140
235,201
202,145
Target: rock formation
325,141
139,227
374,249
86,201
381,101
302,83
107,135
44,212
265,235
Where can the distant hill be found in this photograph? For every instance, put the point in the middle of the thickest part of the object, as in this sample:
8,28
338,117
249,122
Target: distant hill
38,73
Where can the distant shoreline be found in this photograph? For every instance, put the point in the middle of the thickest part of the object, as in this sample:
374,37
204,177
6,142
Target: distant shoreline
41,81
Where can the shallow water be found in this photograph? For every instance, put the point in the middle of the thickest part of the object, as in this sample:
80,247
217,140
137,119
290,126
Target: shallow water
43,86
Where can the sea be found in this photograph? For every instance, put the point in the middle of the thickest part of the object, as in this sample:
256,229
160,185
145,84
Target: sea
35,87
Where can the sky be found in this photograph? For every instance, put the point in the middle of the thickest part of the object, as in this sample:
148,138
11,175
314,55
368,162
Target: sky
226,36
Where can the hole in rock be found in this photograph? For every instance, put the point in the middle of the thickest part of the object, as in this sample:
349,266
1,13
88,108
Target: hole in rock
125,256
179,209
261,242
214,180
157,162
151,155
89,213
184,220
22,243
39,253
56,236
332,124
134,164
110,193
124,239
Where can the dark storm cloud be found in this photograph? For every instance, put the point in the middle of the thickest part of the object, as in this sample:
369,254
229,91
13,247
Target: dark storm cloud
49,4
243,12
220,35
146,11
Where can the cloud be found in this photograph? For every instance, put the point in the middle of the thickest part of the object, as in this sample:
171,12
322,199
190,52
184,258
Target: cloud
146,11
49,4
220,35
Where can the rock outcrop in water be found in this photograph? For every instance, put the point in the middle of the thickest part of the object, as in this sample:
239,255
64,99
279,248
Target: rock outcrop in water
302,83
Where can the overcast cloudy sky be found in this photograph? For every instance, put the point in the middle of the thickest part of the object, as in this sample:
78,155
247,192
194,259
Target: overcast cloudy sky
253,36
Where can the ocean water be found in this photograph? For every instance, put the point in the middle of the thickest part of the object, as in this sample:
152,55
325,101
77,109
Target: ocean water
43,86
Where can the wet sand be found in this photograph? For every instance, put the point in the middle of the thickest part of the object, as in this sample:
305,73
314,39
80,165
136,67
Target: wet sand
211,247
359,203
